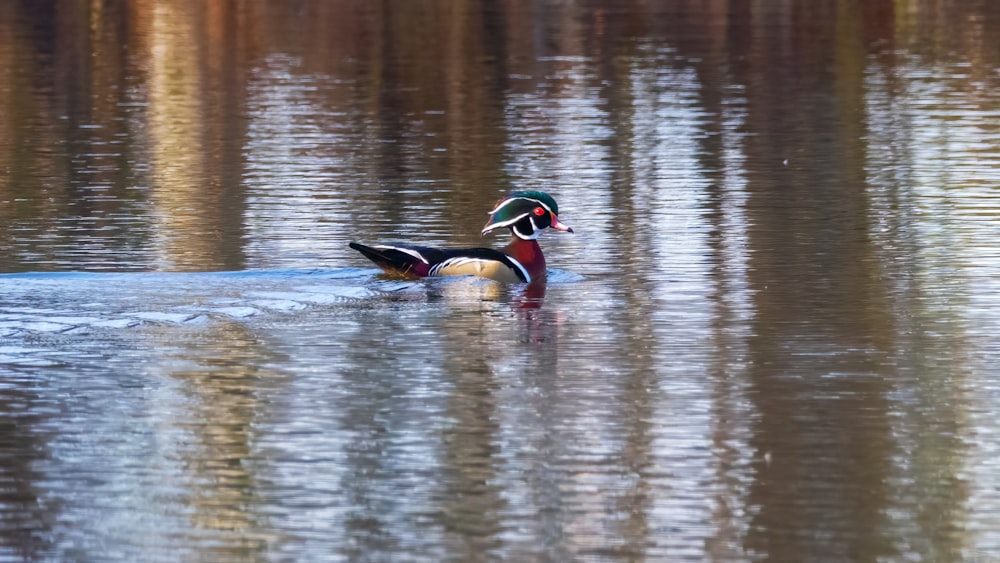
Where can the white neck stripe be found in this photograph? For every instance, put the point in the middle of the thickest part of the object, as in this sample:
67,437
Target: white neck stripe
532,236
527,277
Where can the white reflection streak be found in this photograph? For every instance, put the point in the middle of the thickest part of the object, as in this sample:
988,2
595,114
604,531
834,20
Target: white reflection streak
669,182
295,167
956,150
556,143
734,312
670,197
934,167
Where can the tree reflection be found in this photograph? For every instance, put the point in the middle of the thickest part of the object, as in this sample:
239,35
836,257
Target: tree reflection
783,211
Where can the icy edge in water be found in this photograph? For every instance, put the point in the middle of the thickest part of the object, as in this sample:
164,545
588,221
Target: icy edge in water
80,302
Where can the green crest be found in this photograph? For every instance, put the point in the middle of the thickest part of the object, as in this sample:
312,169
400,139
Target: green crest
545,199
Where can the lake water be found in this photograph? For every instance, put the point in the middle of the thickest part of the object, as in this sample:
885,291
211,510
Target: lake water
773,336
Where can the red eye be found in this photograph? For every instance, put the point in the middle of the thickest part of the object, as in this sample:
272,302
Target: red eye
539,211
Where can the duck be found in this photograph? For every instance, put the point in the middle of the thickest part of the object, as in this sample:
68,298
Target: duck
526,214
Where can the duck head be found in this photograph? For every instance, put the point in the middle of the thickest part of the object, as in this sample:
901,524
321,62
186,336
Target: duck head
526,214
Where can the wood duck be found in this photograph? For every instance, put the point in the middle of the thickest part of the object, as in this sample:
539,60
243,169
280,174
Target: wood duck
525,213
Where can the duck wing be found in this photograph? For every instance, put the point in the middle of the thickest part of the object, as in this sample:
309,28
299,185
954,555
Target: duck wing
423,261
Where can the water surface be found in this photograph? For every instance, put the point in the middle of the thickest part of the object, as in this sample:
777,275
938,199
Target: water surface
772,336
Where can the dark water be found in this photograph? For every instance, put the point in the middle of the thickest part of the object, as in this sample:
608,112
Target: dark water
774,335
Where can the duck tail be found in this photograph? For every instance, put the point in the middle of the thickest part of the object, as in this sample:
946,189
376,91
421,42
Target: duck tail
401,261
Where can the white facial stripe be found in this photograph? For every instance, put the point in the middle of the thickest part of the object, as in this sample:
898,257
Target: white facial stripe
505,223
530,236
409,251
506,201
